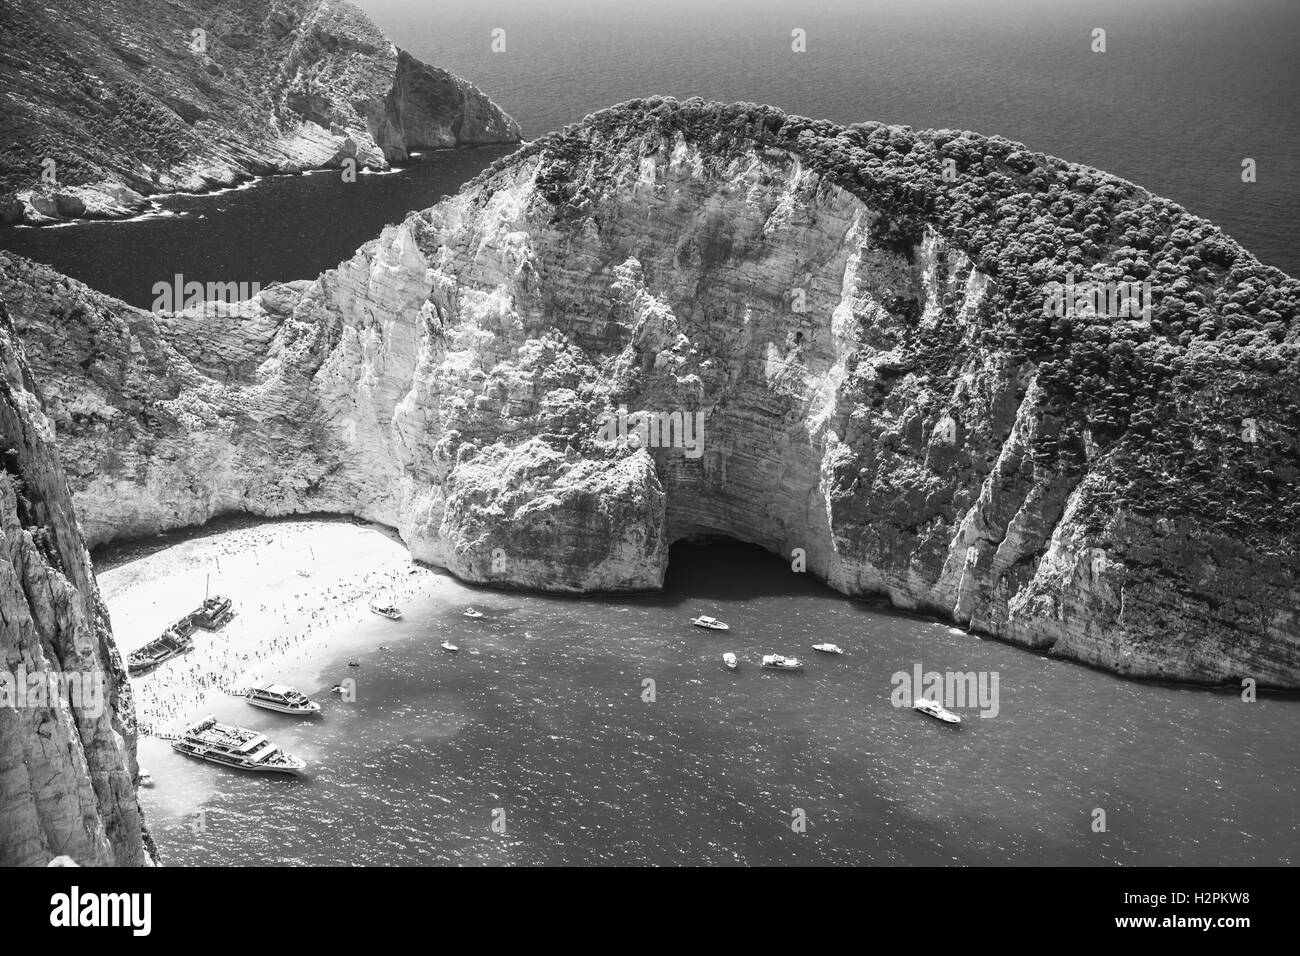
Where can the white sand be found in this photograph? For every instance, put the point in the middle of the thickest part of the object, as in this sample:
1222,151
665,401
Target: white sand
282,617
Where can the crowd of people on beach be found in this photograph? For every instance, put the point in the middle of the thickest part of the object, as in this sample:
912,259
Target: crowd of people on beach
226,662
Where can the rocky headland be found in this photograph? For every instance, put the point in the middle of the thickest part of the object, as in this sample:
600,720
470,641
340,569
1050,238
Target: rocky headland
855,315
109,103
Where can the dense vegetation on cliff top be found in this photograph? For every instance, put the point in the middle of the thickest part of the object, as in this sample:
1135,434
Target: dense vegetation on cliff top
116,88
1169,402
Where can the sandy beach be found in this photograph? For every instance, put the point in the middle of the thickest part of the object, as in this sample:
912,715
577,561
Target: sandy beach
296,585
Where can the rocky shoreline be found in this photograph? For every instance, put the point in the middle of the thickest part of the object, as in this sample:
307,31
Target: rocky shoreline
201,99
911,429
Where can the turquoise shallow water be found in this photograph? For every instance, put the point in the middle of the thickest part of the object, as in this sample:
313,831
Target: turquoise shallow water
540,722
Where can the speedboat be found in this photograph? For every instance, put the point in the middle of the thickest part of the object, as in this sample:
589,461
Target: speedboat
237,747
782,663
303,573
470,612
449,646
386,609
730,660
828,648
933,708
337,688
710,623
281,698
146,778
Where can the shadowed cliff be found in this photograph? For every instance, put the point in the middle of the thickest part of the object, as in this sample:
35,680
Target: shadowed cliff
856,316
67,766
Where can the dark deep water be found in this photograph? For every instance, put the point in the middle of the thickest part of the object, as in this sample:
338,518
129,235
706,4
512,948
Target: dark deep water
542,715
1185,90
275,229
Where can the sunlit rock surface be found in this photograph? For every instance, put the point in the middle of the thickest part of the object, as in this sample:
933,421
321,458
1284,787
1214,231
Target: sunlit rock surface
861,338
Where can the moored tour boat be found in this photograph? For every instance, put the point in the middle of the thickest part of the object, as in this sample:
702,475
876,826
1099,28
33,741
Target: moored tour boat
281,698
237,747
710,623
932,708
828,648
386,609
730,660
782,663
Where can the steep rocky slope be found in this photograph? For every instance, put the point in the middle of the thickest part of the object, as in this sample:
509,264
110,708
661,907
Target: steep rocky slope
129,98
67,766
856,314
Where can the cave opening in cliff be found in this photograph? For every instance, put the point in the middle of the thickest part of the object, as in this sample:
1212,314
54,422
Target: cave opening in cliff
721,566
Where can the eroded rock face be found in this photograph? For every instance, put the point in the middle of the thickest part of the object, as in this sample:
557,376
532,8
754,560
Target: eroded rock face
109,103
870,397
67,768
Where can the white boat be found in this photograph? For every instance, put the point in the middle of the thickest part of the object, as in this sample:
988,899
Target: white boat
237,747
281,698
337,689
449,646
146,778
303,573
730,660
828,648
782,663
386,609
936,710
470,612
710,623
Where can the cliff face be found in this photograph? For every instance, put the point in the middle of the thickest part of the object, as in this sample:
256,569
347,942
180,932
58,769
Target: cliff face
128,98
67,767
860,333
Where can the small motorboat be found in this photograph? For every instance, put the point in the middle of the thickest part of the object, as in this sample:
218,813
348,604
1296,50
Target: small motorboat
450,647
933,708
710,623
336,689
354,663
471,612
386,609
828,648
146,778
730,660
782,663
